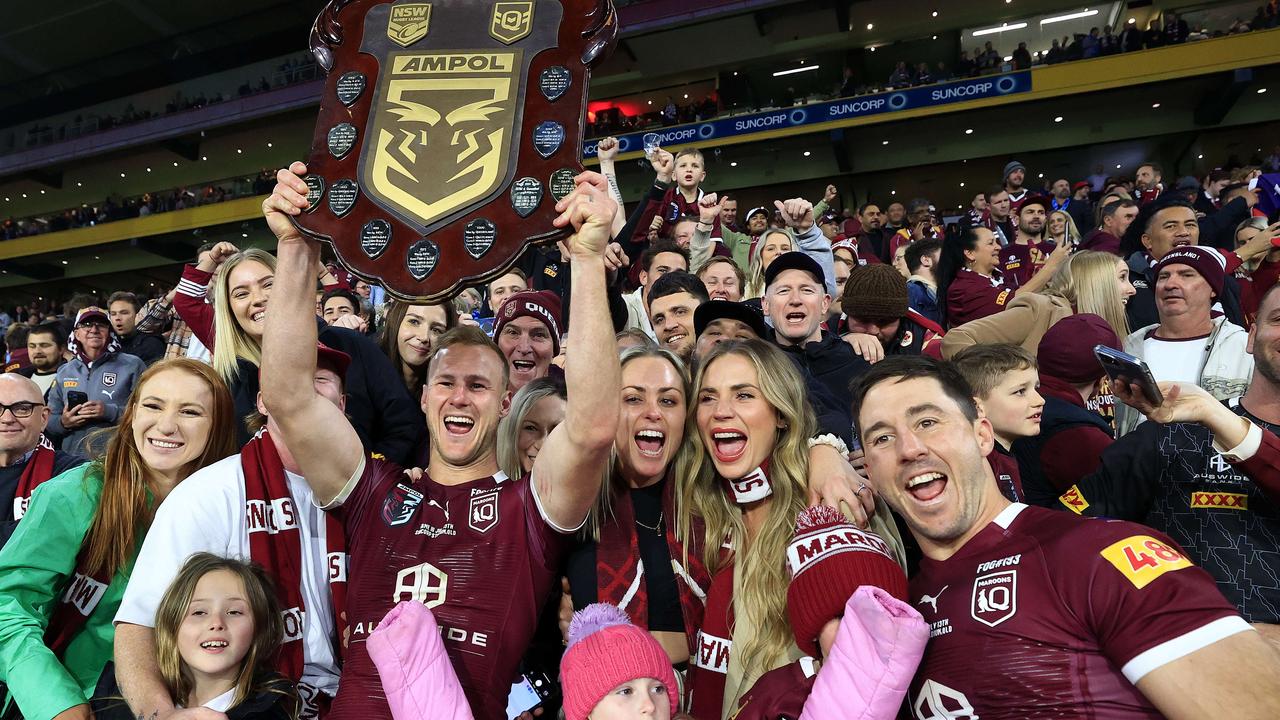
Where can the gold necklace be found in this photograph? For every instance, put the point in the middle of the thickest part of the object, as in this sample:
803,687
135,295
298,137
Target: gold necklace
656,527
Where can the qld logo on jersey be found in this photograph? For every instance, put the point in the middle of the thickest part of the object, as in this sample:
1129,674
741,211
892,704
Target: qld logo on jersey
482,511
400,504
995,597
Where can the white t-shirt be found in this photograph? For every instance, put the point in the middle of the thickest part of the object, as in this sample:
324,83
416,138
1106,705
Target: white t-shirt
206,513
1174,360
44,381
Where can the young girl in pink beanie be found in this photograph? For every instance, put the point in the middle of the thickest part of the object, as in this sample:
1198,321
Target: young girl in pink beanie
613,670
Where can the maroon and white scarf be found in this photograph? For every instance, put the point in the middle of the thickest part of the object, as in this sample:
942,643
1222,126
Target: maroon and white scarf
620,578
275,542
39,468
751,487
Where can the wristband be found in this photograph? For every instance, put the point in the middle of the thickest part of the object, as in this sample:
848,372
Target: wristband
705,227
831,441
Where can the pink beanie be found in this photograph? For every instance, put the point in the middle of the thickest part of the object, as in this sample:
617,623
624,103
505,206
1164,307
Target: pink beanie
606,650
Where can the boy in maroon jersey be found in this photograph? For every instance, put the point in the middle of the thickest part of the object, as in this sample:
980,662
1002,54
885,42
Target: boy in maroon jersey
478,548
1036,613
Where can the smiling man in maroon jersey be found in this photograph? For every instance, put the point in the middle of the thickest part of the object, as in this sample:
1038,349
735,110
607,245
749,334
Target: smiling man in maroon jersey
478,548
1070,617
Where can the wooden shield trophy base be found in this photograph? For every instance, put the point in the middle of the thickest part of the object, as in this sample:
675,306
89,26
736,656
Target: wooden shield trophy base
447,132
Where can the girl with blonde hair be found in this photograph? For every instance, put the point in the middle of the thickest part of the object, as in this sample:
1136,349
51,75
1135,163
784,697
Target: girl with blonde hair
1089,282
63,573
743,472
218,628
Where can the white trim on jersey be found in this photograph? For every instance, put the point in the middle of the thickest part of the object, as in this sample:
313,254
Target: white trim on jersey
1007,515
344,494
1183,645
537,501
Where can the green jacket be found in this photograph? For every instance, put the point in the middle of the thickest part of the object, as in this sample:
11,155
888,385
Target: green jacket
35,566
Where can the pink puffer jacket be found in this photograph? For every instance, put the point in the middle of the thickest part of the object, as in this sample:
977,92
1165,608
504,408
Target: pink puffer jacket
416,673
877,650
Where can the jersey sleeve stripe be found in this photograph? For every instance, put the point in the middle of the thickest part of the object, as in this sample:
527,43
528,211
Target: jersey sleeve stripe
533,490
191,289
344,494
1183,645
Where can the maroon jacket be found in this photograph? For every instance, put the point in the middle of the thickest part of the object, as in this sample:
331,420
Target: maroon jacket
1075,450
780,693
1101,240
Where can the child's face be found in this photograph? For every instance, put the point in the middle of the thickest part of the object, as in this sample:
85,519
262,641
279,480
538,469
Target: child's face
1014,406
689,171
641,698
217,631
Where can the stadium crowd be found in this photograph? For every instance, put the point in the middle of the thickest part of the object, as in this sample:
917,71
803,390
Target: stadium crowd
693,460
1169,29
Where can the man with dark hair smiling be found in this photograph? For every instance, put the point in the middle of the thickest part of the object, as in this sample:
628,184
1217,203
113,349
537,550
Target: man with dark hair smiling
1042,596
673,300
45,345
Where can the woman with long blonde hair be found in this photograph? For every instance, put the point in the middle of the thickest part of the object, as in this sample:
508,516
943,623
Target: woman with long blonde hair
536,410
387,419
773,243
1089,282
63,573
629,555
743,472
1061,228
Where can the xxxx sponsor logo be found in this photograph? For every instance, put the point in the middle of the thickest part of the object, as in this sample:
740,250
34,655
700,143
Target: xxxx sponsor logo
1231,501
1074,500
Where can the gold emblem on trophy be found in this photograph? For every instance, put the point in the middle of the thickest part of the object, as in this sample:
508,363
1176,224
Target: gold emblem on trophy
442,132
408,23
511,20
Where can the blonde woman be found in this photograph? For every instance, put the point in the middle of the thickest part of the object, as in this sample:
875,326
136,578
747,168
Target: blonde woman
388,421
63,573
631,555
1062,229
772,244
743,473
1089,282
536,410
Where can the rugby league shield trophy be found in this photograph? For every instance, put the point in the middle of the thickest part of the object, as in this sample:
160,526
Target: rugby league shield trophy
447,132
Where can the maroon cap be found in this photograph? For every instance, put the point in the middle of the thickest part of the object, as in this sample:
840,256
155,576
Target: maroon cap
335,360
1080,184
1206,261
92,313
542,305
1066,350
1040,200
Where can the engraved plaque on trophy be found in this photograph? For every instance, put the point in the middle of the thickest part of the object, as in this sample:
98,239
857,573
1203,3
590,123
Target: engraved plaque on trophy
442,126
375,235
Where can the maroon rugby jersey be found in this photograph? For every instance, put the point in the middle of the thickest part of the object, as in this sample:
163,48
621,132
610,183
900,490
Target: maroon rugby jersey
479,555
1043,614
971,296
1019,263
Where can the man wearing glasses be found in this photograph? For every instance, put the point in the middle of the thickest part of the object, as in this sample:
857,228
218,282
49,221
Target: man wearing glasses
27,458
93,387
